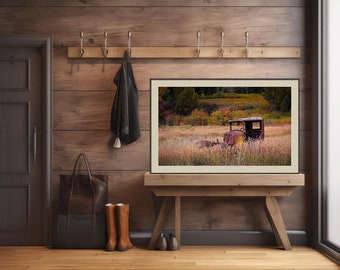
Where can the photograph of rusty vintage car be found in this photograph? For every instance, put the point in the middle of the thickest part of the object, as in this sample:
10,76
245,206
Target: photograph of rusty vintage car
244,129
209,126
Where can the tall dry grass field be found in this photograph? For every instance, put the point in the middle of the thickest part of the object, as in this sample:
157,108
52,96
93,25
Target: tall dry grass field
178,147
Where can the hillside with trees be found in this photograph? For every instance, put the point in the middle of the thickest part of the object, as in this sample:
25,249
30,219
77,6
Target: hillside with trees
200,106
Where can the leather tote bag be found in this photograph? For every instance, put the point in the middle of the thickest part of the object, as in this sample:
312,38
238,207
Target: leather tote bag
81,211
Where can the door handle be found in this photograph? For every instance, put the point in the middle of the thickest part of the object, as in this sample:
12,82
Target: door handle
35,131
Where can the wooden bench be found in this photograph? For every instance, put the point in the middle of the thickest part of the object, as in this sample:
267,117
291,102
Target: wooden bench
268,186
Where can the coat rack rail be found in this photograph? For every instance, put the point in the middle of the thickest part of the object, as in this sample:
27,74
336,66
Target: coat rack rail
185,52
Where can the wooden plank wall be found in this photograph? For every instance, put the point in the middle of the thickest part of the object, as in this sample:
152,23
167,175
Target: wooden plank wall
83,90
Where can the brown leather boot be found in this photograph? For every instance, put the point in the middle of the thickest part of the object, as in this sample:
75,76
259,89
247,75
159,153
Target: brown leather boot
111,226
124,242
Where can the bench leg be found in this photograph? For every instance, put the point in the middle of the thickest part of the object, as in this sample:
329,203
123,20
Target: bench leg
275,218
164,212
178,220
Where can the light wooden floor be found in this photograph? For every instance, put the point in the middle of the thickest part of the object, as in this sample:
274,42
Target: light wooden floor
189,257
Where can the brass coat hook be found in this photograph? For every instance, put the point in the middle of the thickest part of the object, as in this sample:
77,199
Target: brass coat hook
222,44
198,50
105,50
81,51
246,51
129,43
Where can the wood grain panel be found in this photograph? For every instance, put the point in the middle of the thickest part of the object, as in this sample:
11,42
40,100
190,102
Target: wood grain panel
14,136
14,74
89,75
189,258
157,3
83,89
305,150
91,110
186,52
98,147
239,213
306,122
170,26
192,180
295,209
14,199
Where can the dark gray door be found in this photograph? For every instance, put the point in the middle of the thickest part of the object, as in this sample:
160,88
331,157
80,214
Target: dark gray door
21,138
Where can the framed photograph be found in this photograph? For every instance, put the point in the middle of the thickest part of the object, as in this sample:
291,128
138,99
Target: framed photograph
224,126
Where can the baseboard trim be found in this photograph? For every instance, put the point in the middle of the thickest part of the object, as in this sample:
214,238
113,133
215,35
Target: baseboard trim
233,238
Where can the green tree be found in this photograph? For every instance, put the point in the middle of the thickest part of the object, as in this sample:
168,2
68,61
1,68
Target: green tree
186,100
279,98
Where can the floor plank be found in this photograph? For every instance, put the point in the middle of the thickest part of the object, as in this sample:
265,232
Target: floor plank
187,258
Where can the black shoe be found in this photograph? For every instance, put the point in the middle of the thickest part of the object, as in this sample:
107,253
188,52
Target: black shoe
172,242
161,243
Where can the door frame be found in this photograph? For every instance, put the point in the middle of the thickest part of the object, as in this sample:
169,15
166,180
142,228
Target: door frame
46,43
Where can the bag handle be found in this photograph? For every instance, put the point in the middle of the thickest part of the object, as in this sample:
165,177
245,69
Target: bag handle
83,155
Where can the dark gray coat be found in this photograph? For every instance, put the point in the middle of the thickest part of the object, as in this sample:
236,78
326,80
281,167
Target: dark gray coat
124,113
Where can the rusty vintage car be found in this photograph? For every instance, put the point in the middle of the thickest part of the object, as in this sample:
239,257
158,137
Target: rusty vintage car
244,129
